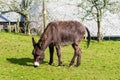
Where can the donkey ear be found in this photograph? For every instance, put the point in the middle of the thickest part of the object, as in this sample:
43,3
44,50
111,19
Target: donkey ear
33,41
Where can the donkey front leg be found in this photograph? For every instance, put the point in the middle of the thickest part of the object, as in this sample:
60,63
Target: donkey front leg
51,50
58,49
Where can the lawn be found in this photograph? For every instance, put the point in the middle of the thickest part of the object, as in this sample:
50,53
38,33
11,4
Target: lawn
101,61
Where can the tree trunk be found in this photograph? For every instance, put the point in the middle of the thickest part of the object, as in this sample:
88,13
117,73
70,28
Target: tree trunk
99,38
98,33
27,28
18,26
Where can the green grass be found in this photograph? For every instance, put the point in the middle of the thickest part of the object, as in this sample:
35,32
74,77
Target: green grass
101,61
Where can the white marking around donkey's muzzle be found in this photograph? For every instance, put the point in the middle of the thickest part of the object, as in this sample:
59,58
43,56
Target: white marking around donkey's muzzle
36,64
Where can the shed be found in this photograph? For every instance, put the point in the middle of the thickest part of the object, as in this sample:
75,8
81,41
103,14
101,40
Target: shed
10,18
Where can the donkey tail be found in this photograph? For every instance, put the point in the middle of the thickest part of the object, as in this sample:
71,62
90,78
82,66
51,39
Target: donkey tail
88,37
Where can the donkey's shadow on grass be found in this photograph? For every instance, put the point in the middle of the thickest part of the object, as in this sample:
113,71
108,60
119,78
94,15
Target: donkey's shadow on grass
23,61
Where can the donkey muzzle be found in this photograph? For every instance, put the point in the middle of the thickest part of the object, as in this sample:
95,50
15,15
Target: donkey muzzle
36,64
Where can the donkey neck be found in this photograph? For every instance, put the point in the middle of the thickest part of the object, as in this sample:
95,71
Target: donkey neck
44,42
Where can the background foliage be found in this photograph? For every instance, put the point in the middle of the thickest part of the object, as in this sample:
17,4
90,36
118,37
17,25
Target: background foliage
70,10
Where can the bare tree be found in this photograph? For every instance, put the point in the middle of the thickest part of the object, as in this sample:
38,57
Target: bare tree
94,9
22,7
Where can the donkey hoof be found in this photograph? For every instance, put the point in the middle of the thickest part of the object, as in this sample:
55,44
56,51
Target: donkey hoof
59,65
70,65
77,65
50,63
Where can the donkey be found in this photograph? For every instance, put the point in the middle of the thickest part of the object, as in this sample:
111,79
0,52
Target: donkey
60,33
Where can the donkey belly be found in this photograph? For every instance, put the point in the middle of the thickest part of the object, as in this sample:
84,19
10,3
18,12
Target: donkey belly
66,43
68,39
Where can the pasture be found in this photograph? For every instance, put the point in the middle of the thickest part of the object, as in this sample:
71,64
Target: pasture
101,61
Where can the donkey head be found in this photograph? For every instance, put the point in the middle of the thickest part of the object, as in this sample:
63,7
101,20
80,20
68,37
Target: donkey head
38,53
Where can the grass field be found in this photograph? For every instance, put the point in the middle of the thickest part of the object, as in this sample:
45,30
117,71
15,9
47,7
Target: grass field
101,61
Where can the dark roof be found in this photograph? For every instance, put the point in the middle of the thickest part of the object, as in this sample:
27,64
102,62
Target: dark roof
11,17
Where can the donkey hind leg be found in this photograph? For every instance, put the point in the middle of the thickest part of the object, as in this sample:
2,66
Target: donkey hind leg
77,53
73,59
74,56
58,49
78,57
51,51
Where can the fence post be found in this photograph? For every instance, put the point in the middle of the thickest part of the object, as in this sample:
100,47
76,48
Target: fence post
9,27
15,27
44,13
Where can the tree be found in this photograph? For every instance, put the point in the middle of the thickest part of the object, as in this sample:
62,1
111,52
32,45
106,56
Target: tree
22,7
94,9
